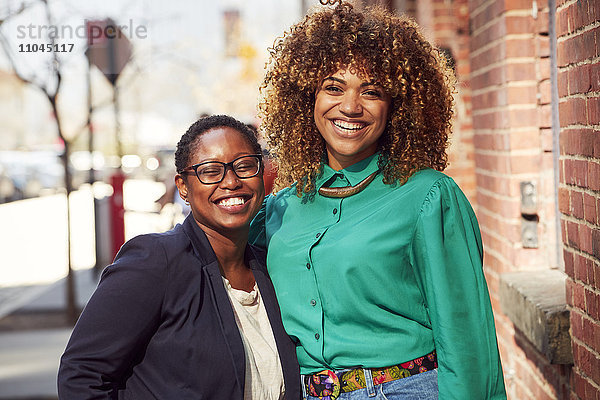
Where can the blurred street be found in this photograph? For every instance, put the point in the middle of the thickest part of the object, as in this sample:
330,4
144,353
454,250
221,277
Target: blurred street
33,266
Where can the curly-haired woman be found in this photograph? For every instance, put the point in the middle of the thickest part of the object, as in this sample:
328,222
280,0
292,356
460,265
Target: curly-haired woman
375,255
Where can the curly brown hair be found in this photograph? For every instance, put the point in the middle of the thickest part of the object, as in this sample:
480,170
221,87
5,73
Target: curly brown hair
386,48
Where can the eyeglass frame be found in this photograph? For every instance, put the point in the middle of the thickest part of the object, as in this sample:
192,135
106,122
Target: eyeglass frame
229,165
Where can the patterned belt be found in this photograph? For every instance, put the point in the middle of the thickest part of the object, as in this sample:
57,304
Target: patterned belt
328,384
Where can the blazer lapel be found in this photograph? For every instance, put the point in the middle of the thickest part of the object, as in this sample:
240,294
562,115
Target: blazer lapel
210,266
228,324
285,345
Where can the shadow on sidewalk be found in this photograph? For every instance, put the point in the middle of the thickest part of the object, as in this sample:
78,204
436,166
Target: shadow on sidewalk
24,320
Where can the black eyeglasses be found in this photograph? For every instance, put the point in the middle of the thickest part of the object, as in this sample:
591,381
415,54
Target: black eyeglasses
211,172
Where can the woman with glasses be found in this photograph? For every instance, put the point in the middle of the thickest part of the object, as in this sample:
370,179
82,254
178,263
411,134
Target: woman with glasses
375,255
190,313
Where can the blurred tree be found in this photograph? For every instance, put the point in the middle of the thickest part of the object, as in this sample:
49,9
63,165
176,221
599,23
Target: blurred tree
51,88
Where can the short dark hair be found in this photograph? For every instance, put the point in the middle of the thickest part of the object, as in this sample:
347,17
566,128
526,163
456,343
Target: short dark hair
203,125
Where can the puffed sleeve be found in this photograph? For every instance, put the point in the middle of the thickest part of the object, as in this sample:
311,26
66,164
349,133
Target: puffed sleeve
257,235
116,324
447,256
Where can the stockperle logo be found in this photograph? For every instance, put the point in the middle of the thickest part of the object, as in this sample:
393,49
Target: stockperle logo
92,32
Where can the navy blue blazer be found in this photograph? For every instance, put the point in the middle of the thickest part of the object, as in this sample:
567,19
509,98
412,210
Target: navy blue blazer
160,326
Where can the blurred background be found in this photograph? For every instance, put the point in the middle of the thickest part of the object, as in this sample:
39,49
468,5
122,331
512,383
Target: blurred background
93,99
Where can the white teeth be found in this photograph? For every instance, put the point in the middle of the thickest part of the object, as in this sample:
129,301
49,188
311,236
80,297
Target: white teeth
348,125
231,201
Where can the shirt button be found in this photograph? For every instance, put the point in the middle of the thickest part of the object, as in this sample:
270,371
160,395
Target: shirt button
313,302
317,336
307,265
334,211
318,235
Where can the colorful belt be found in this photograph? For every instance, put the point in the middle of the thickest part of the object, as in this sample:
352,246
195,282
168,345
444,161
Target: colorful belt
329,384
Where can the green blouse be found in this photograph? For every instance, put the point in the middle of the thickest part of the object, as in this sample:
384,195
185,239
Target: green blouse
384,276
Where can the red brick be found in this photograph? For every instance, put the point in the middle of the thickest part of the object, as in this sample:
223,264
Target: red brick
595,343
577,204
596,243
595,137
579,384
593,171
492,77
596,273
521,95
492,32
562,54
544,68
545,91
510,5
489,162
524,139
492,55
569,141
490,12
547,139
580,79
595,369
545,116
523,118
593,10
519,48
491,98
589,208
572,112
519,24
593,110
526,164
573,234
561,23
581,273
542,46
578,10
585,360
578,296
585,238
563,83
591,301
564,200
576,172
594,76
569,263
541,22
578,47
520,72
588,136
576,324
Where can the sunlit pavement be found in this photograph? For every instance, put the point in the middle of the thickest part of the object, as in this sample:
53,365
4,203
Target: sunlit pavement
29,361
33,264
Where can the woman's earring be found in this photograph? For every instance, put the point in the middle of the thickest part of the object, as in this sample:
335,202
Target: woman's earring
187,203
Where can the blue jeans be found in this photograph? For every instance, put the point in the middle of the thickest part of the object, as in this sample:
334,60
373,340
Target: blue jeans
422,386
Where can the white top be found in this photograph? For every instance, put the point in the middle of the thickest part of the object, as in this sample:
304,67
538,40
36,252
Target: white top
264,376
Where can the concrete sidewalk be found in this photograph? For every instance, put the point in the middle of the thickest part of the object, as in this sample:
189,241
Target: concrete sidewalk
34,334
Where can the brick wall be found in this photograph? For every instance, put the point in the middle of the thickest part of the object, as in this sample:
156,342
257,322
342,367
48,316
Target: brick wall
511,112
448,26
578,32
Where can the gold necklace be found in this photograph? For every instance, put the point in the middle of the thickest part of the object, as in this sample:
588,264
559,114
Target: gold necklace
347,191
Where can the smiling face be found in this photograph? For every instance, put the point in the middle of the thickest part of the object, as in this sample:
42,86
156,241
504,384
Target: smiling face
351,114
228,206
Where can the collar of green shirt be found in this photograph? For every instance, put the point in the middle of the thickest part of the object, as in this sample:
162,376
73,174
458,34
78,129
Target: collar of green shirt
353,174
